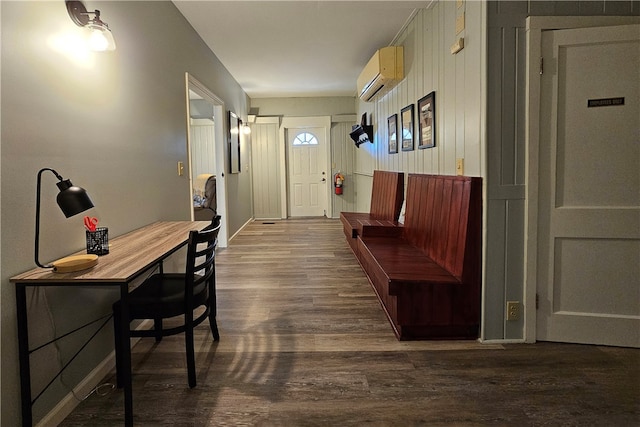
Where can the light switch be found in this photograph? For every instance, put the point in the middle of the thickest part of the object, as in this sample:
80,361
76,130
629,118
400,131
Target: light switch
180,168
459,166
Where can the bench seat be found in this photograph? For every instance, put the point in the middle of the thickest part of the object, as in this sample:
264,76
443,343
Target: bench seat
387,195
427,273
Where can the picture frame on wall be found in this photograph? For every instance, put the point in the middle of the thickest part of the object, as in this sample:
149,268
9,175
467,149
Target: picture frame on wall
427,121
406,117
392,133
234,142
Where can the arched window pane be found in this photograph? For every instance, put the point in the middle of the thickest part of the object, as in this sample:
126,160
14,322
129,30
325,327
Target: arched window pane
305,138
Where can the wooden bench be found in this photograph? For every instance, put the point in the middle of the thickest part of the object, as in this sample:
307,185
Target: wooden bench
427,274
387,195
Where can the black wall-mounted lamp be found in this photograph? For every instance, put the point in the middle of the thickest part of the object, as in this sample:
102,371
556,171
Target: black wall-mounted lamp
100,37
362,133
71,199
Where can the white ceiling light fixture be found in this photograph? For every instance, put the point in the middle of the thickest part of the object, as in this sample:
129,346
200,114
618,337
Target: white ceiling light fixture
100,38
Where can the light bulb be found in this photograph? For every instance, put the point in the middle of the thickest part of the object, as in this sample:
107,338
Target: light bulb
100,38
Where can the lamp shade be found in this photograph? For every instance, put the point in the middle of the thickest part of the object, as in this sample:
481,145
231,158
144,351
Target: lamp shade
71,199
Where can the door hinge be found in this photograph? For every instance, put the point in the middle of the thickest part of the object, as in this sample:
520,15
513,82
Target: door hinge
537,301
541,65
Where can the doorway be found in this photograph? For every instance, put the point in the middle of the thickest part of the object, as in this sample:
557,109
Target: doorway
584,188
206,154
305,158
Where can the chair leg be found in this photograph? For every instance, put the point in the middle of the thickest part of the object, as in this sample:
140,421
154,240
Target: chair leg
157,324
214,326
118,345
191,362
213,309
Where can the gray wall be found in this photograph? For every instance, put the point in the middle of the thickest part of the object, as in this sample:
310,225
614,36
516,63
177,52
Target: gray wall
114,125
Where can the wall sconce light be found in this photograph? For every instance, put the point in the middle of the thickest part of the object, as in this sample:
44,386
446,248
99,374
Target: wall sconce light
100,37
246,129
72,200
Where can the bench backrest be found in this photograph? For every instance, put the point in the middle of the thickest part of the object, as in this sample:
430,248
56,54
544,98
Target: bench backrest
443,218
387,195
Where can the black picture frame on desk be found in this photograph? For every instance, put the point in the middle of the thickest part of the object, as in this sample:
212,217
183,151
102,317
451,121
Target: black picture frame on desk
406,116
235,125
427,121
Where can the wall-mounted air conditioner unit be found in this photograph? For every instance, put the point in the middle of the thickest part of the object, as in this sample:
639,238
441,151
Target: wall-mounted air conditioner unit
384,70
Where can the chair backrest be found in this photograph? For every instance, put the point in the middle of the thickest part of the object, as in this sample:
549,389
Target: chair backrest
215,223
200,267
387,195
444,219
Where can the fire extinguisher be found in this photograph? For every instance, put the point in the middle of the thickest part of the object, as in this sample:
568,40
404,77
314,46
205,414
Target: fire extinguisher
338,180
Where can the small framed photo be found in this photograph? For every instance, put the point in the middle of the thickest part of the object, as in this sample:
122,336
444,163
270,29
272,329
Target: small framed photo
406,116
392,132
235,124
427,121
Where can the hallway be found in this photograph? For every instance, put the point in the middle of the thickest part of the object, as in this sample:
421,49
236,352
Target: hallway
304,342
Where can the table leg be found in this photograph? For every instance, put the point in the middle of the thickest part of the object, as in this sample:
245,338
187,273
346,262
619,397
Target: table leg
126,355
23,354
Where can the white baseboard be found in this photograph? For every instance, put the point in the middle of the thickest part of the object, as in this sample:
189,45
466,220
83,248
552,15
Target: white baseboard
503,341
249,221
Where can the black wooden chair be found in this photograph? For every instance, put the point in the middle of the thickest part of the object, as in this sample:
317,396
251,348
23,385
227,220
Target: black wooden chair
166,295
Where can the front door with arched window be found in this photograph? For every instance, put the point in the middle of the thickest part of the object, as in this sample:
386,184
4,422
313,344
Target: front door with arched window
307,175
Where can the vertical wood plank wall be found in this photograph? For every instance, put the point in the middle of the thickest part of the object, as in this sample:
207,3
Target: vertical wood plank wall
265,155
343,155
267,176
203,143
458,83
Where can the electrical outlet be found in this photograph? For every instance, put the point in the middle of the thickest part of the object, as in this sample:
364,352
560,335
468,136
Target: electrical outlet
513,310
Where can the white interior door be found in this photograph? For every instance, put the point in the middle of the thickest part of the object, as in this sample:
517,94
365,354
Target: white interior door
307,175
589,187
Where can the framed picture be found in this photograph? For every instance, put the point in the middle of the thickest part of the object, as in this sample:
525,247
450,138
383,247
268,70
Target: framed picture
406,115
427,121
234,143
392,132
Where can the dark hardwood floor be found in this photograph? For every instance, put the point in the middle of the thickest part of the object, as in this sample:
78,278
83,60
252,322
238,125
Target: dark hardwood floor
304,342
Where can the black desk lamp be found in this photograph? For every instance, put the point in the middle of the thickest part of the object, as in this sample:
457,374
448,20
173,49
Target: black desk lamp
71,199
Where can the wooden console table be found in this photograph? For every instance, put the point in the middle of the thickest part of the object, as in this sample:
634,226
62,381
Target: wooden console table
130,255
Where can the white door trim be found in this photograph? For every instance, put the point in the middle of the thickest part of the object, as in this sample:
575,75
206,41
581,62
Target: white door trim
219,130
299,122
534,27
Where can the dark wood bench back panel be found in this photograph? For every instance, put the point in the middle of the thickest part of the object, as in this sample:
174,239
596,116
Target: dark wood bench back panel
387,195
438,211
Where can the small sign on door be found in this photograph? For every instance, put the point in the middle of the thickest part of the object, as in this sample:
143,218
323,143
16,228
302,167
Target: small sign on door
605,102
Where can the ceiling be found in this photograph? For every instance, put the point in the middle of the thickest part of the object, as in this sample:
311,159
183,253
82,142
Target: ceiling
297,48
